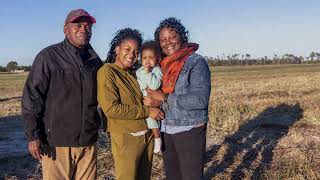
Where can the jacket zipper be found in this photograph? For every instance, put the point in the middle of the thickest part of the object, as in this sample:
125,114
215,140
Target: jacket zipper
49,132
82,79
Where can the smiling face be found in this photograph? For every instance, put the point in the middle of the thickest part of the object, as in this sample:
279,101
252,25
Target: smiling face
79,32
170,41
149,58
126,53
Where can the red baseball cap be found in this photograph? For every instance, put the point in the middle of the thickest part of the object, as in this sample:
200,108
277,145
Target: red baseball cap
75,14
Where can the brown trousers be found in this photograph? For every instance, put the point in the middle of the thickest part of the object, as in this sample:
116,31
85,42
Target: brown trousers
69,163
132,155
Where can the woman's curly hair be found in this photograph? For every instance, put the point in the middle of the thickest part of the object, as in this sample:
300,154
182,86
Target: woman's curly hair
153,46
121,35
176,25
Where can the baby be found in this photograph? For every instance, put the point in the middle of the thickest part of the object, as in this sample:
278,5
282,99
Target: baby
149,76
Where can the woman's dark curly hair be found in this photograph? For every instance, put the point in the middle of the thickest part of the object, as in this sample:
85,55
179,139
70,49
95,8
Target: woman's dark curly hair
176,25
153,46
121,35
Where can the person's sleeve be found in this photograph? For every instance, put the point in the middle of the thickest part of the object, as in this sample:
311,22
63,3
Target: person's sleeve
110,101
154,78
33,97
200,87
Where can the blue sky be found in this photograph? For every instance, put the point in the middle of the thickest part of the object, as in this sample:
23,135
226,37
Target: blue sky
257,27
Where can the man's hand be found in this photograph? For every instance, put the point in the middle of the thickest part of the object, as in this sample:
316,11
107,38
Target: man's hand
156,113
157,95
149,101
34,149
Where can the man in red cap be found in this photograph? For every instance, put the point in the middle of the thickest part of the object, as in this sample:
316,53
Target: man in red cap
59,103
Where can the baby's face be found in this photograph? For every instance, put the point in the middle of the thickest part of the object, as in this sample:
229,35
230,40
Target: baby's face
149,58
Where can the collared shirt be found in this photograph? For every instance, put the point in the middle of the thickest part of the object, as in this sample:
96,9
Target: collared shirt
151,80
120,98
175,129
59,99
188,104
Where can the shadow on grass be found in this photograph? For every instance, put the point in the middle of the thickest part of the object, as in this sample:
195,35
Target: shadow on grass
15,161
8,99
254,141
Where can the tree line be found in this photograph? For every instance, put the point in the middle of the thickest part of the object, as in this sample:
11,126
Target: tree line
13,66
224,60
246,59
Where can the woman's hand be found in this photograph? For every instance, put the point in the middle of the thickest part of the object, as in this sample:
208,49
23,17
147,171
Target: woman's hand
149,101
156,113
157,95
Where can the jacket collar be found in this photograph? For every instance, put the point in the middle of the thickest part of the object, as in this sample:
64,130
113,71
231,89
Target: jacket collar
71,46
73,49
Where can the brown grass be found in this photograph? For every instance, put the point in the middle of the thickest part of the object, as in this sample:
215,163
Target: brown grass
264,124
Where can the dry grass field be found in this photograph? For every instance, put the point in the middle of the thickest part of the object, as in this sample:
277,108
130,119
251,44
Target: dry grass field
11,85
264,124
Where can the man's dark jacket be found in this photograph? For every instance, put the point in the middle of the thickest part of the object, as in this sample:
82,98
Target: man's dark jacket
59,101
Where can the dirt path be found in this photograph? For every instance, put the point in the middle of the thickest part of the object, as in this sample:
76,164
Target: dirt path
15,162
12,140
